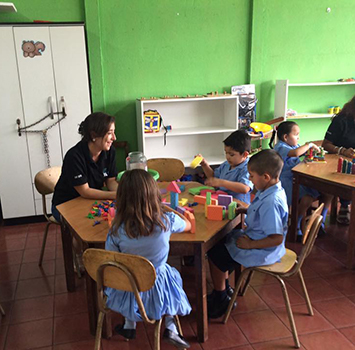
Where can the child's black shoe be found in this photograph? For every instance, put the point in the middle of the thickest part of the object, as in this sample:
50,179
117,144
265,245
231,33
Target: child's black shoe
175,339
218,309
126,333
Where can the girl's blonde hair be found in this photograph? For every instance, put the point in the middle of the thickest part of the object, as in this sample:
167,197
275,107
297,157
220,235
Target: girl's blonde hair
139,206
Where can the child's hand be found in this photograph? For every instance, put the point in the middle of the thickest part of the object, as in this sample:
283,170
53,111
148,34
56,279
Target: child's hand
213,181
203,162
241,210
314,146
244,242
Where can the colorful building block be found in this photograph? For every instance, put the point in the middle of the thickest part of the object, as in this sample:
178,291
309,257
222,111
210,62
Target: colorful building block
224,199
200,199
183,201
173,187
231,210
196,190
215,212
180,209
174,200
191,218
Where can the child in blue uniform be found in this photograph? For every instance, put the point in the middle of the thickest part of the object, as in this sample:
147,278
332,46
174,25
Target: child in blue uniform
290,152
263,241
142,226
232,175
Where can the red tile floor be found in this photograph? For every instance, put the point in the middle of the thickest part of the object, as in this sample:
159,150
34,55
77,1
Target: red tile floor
40,314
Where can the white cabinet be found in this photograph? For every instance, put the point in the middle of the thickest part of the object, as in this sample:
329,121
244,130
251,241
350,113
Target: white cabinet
199,125
281,98
32,84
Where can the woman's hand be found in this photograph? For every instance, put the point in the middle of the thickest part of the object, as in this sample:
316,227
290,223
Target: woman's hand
348,152
244,242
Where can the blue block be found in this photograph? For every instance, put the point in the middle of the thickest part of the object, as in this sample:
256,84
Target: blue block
174,200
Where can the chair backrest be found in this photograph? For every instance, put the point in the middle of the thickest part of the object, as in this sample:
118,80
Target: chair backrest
310,234
45,180
169,169
119,270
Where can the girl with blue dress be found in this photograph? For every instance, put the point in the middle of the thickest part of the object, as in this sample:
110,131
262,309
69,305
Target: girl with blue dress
290,152
143,226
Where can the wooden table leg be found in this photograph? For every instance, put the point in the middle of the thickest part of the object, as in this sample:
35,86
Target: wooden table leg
68,257
91,295
292,231
201,293
351,243
333,210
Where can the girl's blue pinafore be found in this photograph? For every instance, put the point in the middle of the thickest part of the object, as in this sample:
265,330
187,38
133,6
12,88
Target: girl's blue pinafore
167,296
282,148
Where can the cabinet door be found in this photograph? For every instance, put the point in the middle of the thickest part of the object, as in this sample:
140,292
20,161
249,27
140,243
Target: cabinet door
71,79
37,86
16,192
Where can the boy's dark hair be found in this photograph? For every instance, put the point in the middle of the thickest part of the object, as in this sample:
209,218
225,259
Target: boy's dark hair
283,129
266,161
238,140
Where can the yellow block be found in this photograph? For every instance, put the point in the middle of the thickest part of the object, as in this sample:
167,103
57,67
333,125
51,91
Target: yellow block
196,162
183,201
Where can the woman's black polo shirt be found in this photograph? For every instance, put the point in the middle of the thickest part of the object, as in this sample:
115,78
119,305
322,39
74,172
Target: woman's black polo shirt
79,168
341,131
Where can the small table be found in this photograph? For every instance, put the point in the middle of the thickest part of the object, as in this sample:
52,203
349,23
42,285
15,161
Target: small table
208,233
324,178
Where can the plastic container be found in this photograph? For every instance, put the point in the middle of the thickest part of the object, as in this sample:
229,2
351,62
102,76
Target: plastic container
331,110
136,160
152,172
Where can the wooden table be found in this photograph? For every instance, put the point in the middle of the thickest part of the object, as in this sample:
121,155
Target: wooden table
208,233
324,178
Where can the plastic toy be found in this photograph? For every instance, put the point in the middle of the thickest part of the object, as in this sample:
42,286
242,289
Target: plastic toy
152,121
152,172
196,162
345,166
316,157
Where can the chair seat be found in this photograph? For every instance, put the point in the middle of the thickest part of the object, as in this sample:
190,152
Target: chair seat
53,220
286,264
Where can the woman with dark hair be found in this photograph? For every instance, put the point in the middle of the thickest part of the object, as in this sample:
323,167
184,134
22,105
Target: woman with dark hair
90,164
340,139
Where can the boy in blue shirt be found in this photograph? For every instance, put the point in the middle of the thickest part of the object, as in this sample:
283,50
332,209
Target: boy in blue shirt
263,241
232,175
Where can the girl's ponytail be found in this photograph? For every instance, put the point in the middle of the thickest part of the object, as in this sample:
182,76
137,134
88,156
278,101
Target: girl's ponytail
272,138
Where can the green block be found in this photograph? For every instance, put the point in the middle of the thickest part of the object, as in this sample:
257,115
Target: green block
231,210
196,190
208,198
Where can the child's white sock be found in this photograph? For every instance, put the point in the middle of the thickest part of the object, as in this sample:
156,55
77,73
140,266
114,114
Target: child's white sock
128,324
170,324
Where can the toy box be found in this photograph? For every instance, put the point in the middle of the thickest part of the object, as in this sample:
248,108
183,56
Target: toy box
152,121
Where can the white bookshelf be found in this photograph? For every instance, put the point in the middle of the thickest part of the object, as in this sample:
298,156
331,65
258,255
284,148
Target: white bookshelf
199,125
282,90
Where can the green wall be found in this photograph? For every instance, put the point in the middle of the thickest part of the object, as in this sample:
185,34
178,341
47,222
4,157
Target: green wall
300,41
45,10
155,48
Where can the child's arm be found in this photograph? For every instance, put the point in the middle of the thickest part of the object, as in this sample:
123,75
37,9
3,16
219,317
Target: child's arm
187,222
244,242
206,167
302,149
236,187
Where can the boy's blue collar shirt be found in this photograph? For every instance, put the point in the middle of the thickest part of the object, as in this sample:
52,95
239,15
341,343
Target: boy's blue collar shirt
268,191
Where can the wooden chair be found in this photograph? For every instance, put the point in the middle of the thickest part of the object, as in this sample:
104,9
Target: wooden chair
169,169
130,273
45,182
289,266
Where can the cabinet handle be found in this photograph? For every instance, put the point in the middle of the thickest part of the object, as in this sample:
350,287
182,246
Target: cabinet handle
63,106
51,106
18,122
